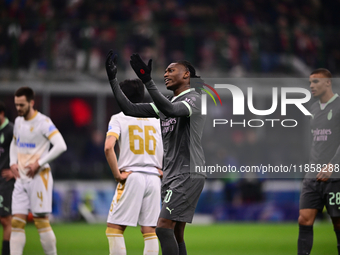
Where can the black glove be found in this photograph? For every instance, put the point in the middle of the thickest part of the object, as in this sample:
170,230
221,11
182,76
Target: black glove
142,70
111,65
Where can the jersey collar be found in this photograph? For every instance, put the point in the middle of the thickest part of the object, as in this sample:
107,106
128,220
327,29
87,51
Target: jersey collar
4,124
329,101
34,115
182,93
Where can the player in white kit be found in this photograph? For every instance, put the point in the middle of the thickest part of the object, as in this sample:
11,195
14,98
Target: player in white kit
29,157
137,197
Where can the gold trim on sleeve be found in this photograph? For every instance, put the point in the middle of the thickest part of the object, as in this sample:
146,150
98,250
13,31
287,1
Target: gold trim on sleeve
52,134
113,133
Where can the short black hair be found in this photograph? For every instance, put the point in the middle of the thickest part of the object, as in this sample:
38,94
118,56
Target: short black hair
323,71
2,107
133,90
25,91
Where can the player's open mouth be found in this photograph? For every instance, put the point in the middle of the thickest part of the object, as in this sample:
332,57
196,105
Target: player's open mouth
166,81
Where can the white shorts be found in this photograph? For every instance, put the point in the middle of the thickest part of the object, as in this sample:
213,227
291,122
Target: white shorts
136,201
34,195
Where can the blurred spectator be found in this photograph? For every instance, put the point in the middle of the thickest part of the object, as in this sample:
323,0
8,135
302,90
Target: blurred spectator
247,35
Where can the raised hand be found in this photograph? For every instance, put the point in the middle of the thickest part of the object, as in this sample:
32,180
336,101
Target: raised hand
142,70
111,65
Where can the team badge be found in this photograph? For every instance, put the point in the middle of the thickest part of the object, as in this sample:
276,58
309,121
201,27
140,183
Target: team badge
330,114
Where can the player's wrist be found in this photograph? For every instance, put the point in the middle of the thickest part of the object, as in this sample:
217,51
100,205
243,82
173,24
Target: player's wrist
150,84
39,163
146,79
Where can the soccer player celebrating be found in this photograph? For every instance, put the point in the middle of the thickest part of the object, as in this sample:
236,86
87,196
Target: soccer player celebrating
137,198
321,188
182,126
29,157
6,178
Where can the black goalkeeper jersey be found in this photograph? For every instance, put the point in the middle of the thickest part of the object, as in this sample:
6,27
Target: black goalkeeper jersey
6,136
182,137
325,129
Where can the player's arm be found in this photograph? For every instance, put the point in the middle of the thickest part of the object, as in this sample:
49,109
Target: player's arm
175,109
13,158
59,146
128,108
112,159
143,71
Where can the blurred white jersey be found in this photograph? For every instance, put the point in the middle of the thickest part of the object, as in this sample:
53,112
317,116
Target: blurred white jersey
140,143
32,140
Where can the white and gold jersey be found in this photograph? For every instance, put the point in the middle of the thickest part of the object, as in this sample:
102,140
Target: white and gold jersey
32,140
140,143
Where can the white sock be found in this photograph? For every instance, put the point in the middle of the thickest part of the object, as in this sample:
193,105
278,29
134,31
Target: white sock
48,242
116,241
18,237
150,244
47,237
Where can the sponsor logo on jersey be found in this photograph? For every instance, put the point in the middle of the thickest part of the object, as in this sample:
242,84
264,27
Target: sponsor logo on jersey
321,134
25,145
168,125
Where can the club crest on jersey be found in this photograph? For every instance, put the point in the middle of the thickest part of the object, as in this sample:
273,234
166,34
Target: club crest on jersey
330,114
31,129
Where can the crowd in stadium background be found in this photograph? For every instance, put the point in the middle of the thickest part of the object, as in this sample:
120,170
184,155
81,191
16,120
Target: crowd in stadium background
216,35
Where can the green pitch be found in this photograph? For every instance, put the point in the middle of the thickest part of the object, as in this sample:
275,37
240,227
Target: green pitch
226,238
